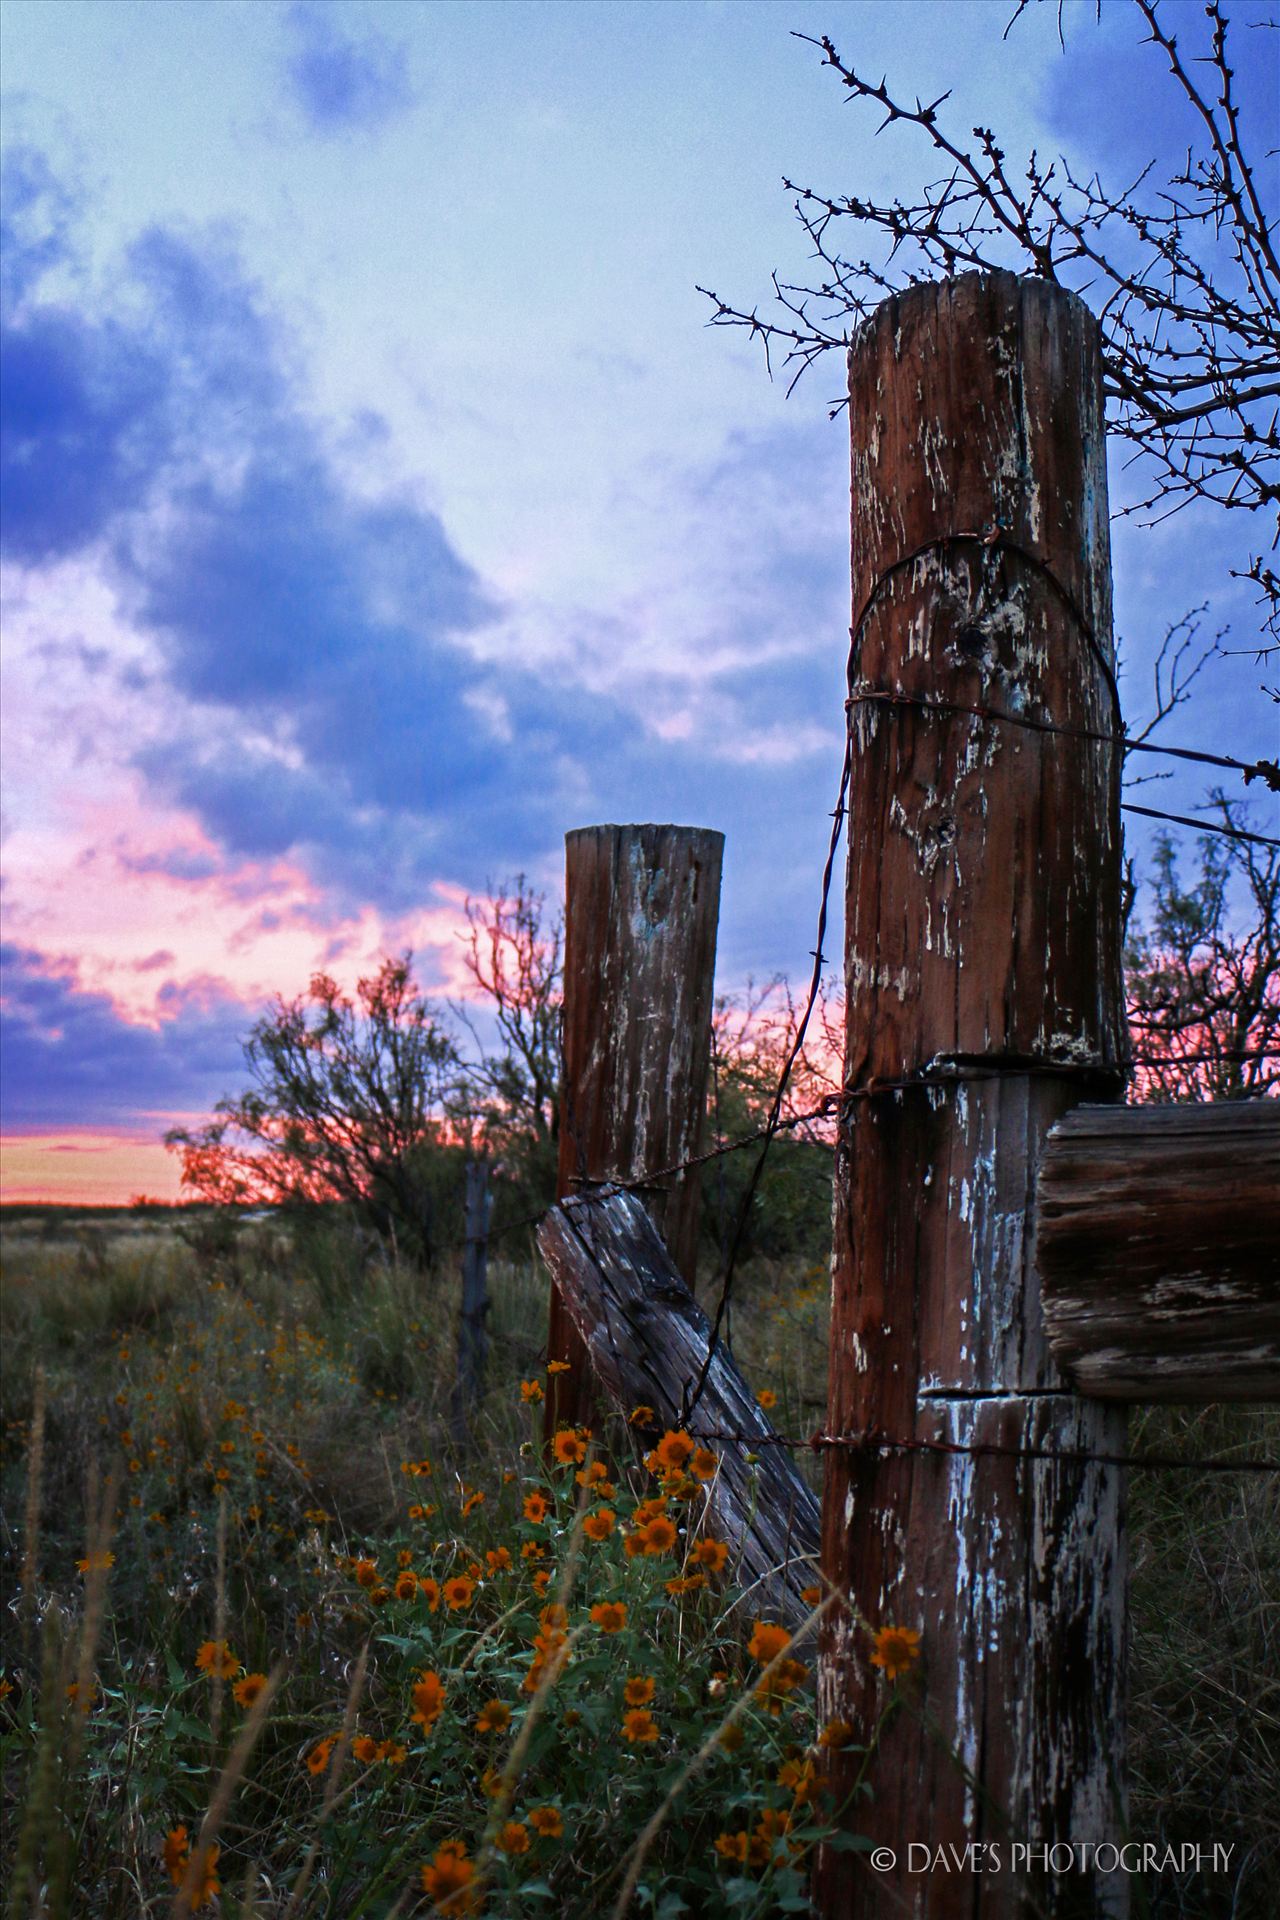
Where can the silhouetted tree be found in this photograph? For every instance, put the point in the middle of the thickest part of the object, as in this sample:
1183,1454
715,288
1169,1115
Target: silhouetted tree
509,1097
348,1102
1202,973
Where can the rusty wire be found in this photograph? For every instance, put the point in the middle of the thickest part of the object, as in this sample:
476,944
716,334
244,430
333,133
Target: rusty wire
872,1440
1267,771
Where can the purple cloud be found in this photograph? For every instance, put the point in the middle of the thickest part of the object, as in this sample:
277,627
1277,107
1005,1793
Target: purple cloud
342,84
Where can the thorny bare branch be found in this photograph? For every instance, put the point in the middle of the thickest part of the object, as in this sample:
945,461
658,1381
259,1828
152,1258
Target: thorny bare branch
1184,277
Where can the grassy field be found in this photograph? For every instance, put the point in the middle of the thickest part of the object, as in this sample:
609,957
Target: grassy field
259,1577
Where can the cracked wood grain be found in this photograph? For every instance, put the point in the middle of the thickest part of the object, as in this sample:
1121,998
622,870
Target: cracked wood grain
1158,1245
641,910
982,925
646,1338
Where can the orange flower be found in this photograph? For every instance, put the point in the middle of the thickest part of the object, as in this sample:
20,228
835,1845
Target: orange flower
547,1822
447,1878
771,1827
216,1657
811,1595
554,1617
639,1726
836,1735
609,1615
784,1679
712,1554
428,1696
536,1506
541,1580
405,1557
767,1641
674,1449
177,1851
638,1691
366,1573
513,1838
246,1691
641,1416
318,1758
704,1463
90,1699
568,1447
688,1583
473,1500
499,1559
530,1390
207,1884
896,1649
767,1398
557,1366
659,1535
495,1717
598,1526
96,1562
733,1846
430,1591
633,1545
800,1777
458,1592
392,1752
407,1585
420,1469
365,1749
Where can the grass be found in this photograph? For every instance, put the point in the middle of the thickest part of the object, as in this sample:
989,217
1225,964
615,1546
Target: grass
224,1427
229,1479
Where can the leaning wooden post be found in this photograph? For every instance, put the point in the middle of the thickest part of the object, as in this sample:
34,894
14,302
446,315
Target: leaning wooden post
982,959
641,908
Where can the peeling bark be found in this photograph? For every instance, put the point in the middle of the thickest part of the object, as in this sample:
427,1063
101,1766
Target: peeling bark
982,947
641,909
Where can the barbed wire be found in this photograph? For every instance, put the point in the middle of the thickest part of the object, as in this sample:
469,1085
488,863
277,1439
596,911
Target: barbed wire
872,1440
1200,826
832,1102
1267,771
773,1123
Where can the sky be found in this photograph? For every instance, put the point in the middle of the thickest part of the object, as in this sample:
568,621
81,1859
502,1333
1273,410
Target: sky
379,505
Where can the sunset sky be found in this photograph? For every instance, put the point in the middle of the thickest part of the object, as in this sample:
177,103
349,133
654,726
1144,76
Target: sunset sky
378,504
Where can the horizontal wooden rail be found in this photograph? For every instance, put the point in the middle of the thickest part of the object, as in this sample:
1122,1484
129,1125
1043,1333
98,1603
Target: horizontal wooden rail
1158,1246
647,1340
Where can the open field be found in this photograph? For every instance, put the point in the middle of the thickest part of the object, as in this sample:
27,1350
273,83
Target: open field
233,1430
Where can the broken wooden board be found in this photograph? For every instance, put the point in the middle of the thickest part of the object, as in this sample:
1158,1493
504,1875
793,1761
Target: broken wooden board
647,1340
1158,1246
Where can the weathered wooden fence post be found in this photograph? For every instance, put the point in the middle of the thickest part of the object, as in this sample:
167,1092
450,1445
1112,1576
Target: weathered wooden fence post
982,960
473,1334
641,910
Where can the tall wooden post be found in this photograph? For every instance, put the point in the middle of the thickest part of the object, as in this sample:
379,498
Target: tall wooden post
641,908
473,1333
982,954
